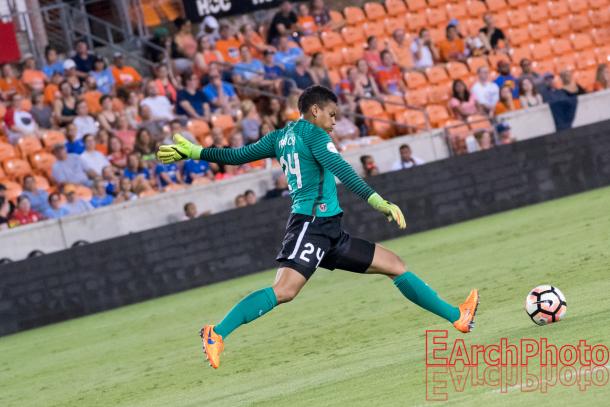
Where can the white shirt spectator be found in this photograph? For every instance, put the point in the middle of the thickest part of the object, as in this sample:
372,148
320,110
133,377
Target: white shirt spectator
78,206
402,165
426,59
160,107
94,160
486,94
70,170
84,125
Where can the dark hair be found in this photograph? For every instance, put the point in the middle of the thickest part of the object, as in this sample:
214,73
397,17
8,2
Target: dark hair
52,195
403,146
186,205
421,31
385,51
370,38
522,91
103,98
248,192
48,49
88,135
315,95
179,22
454,90
21,198
363,158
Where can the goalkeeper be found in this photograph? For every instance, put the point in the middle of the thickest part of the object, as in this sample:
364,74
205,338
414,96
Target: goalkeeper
314,237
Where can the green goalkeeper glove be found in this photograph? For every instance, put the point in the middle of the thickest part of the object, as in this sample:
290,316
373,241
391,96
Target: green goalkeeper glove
390,210
181,150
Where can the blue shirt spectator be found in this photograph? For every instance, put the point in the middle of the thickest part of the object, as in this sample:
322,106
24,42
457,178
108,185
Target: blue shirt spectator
55,213
75,147
192,167
56,67
39,198
505,77
99,201
287,55
196,100
104,80
170,169
211,93
133,174
273,72
249,70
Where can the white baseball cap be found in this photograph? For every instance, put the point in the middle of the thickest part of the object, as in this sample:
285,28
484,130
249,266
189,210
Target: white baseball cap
69,64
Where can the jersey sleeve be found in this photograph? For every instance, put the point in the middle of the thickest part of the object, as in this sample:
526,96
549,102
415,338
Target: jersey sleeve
325,152
263,148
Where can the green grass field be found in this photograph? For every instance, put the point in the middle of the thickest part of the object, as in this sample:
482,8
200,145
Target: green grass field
347,340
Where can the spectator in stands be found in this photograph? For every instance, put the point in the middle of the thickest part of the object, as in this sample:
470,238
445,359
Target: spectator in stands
602,78
251,122
155,127
190,211
363,84
32,77
135,168
302,75
274,73
528,95
9,83
547,87
103,75
18,121
100,198
52,62
254,41
92,159
398,45
389,76
280,189
452,48
101,141
51,90
37,197
481,140
92,96
206,54
107,118
191,101
287,53
423,50
175,126
85,124
64,107
345,130
250,197
160,106
124,75
528,72
209,28
74,204
492,37
273,116
83,59
166,83
306,24
485,92
41,112
318,70
372,55
284,23
240,201
407,159
291,111
220,94
369,166
54,208
195,169
23,213
125,192
71,75
249,71
145,145
506,103
504,133
74,145
116,152
124,132
461,103
505,78
228,45
68,168
321,15
569,85
111,180
184,46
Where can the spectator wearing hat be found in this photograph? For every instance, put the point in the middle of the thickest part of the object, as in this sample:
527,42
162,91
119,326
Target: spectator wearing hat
124,75
452,48
505,135
68,168
9,83
55,210
38,197
32,77
505,78
52,63
407,159
284,23
83,59
24,214
73,76
209,27
100,198
485,92
74,204
103,75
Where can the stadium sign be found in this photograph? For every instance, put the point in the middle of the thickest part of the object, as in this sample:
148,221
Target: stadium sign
197,10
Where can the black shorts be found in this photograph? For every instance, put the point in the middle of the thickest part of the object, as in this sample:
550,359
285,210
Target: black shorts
311,242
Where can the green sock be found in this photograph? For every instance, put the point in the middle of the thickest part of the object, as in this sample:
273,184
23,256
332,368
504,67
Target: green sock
421,294
252,306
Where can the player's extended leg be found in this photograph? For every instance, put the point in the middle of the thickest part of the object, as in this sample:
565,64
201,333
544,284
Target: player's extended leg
288,283
411,286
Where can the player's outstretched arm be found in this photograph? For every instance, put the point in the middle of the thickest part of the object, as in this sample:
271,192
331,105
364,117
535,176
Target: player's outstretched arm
182,149
327,155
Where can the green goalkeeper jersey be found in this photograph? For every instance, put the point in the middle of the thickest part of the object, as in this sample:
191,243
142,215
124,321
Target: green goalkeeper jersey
310,161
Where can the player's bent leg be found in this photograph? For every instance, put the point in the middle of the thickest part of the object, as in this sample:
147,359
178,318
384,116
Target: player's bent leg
288,283
386,262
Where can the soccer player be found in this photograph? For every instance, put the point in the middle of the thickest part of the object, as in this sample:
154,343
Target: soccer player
314,237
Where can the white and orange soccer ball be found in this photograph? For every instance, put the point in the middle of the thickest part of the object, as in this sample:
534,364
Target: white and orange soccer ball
546,304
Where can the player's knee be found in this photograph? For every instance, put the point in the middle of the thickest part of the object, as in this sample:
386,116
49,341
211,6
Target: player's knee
284,294
397,266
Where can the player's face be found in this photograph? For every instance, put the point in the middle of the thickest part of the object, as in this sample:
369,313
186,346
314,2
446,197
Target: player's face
325,117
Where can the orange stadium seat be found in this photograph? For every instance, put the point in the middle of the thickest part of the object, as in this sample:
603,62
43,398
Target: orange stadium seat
586,78
519,36
354,15
170,9
311,44
2,174
517,54
415,80
42,182
351,55
439,94
580,22
52,137
457,10
539,32
43,162
600,36
538,13
475,63
600,18
371,107
436,3
198,128
476,8
375,28
517,18
436,75
517,3
471,27
393,104
332,39
416,5
374,11
501,19
334,76
581,41
477,121
586,59
603,54
558,9
382,128
415,120
437,34
541,51
151,18
16,167
7,151
493,59
353,35
333,59
392,24
597,4
416,98
416,21
437,114
457,70
395,7
496,5
224,122
13,190
28,145
436,17
559,27
544,65
336,18
561,46
565,62
576,6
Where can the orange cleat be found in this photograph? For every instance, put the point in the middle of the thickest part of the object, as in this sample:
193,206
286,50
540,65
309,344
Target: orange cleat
468,310
212,345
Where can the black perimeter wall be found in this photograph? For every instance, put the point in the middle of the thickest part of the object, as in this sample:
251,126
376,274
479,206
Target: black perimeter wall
177,257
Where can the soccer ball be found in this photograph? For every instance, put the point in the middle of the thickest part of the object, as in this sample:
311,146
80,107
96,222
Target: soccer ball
546,304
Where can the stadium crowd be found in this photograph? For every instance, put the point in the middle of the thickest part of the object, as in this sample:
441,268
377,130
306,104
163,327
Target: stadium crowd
80,132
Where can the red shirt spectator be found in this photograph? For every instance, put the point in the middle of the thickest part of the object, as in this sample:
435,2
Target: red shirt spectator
389,75
24,214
